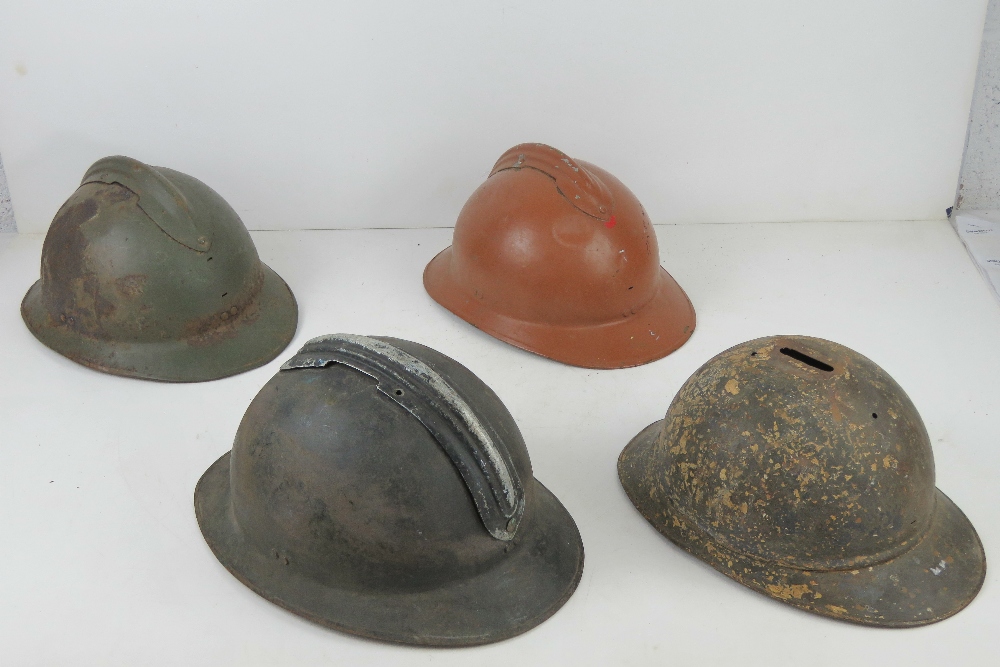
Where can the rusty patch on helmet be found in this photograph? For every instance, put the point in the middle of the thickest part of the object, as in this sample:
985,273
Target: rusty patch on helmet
73,295
228,322
132,285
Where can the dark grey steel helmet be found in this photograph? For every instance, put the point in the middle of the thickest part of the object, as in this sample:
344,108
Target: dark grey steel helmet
149,273
800,469
378,487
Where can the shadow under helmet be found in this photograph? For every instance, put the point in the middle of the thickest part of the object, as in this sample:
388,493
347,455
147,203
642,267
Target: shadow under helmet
378,487
556,256
149,273
800,469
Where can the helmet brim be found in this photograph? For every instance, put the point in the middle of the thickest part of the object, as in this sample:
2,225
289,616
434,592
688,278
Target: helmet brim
661,326
242,348
523,590
935,579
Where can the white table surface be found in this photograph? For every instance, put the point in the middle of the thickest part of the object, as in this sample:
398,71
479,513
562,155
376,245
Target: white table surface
102,562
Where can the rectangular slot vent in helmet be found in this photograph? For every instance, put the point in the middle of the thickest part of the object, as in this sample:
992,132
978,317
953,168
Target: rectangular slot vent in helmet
806,359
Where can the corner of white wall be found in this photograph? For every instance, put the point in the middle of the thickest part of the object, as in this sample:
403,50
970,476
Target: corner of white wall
7,222
979,180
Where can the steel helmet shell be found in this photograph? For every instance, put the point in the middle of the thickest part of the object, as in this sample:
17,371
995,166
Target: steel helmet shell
149,273
800,469
556,256
378,487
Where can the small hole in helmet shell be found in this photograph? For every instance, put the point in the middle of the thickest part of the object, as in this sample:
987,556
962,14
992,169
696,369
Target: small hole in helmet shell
210,259
399,392
874,415
225,293
806,359
753,354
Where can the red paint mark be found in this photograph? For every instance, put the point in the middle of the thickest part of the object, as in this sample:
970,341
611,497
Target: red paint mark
611,223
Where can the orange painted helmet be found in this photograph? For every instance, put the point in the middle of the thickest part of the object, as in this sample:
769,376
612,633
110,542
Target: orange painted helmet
558,257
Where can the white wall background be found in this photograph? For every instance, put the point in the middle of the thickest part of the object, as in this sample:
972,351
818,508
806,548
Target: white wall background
385,114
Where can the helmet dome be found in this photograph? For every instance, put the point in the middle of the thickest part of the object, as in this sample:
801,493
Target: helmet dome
381,488
149,273
558,257
800,468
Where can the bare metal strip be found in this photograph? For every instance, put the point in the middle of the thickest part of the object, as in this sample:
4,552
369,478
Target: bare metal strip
484,464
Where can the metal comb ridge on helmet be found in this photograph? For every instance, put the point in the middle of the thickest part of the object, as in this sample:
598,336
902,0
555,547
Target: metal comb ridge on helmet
800,469
378,487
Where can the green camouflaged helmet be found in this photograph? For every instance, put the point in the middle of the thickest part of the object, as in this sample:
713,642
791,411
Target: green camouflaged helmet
800,469
149,273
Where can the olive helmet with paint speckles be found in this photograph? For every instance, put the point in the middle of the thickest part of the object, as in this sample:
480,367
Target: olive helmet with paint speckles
149,273
378,487
800,469
556,256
